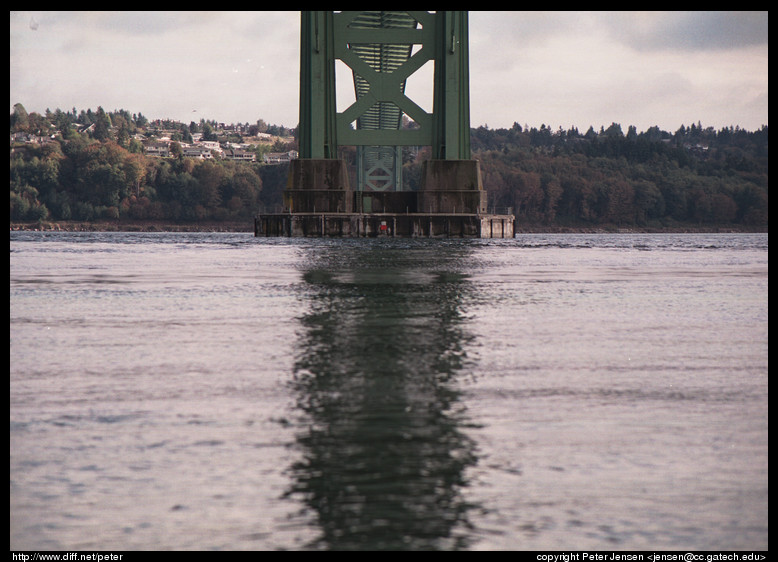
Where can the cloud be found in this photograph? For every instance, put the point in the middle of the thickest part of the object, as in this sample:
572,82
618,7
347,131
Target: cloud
687,31
554,68
594,68
230,66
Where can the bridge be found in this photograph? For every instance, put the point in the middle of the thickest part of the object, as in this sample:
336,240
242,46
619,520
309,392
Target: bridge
361,146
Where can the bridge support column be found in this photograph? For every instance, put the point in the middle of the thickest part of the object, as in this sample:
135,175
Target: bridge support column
383,49
318,185
317,136
451,186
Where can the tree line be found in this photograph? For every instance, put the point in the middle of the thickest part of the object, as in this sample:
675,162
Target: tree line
693,176
87,180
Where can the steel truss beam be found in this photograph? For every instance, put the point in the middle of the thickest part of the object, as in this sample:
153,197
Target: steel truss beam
378,48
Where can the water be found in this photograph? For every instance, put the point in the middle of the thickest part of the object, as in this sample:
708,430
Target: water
217,391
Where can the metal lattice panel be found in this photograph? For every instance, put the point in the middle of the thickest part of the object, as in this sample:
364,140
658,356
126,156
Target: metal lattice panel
378,47
379,168
383,58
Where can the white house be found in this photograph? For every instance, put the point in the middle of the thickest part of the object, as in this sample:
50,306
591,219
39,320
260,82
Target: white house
161,149
199,152
210,145
279,157
241,155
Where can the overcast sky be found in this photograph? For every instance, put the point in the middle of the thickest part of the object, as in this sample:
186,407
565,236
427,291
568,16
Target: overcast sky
560,69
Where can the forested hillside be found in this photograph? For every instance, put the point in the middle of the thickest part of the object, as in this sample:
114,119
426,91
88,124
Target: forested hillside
694,176
95,167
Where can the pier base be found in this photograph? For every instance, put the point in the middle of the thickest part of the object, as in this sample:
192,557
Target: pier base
416,225
450,203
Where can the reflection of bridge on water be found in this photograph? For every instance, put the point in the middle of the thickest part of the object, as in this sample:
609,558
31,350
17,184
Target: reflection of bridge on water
383,49
383,446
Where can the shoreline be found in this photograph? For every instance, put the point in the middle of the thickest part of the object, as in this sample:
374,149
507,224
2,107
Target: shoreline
141,226
248,227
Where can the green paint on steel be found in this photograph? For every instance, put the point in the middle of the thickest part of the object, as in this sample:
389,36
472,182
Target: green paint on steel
451,137
378,46
316,134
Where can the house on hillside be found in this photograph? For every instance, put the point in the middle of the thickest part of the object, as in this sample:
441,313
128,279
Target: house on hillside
210,145
198,152
29,138
161,149
280,157
240,155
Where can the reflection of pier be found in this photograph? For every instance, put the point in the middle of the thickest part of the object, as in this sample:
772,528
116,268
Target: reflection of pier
384,49
383,449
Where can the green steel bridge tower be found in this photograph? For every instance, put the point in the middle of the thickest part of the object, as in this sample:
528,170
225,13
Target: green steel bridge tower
383,49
